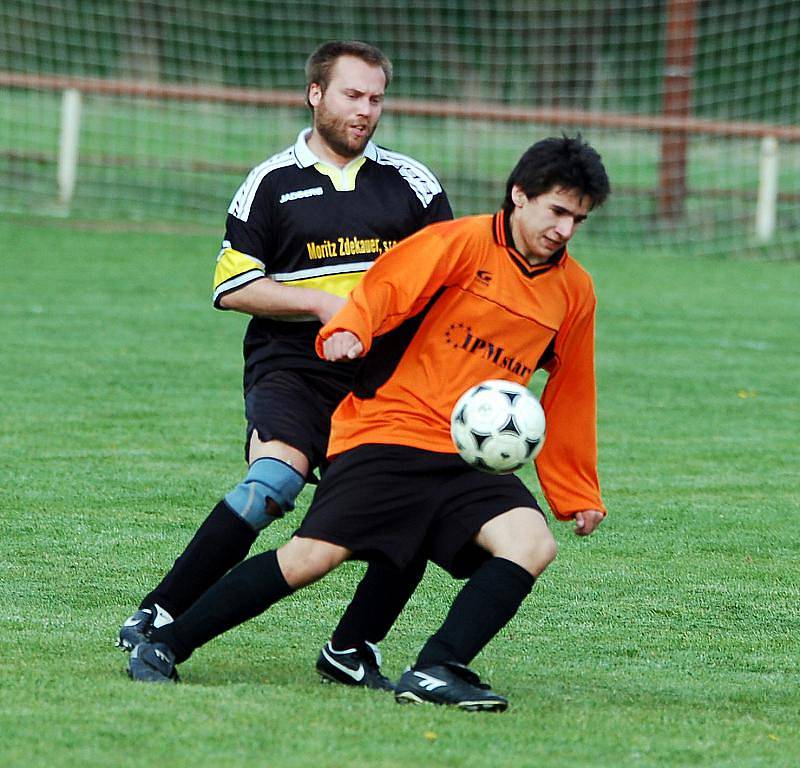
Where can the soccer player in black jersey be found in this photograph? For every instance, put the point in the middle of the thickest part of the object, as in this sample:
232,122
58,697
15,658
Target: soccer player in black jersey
301,230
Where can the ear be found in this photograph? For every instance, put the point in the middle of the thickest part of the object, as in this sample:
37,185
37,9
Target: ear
518,197
314,94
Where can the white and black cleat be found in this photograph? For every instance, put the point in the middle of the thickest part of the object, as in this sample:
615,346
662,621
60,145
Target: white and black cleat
137,628
450,683
353,667
152,663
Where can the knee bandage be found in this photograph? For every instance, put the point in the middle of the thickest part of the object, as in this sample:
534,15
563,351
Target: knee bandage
268,478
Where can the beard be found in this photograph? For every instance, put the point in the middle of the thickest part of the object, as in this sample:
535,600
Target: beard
333,131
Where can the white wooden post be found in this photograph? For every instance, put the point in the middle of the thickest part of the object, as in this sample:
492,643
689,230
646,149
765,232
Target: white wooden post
766,207
68,144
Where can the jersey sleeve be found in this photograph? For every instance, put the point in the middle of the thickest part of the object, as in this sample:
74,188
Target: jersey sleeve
246,247
567,466
437,210
398,285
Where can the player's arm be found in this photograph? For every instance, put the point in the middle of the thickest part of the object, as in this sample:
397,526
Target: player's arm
240,277
397,286
241,284
587,522
567,466
437,210
263,296
342,345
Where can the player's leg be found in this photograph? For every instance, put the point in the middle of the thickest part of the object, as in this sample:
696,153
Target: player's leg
287,430
516,546
383,517
245,592
337,525
275,476
352,656
521,547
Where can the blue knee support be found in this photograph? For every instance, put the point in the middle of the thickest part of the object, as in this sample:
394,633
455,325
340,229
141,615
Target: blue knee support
268,478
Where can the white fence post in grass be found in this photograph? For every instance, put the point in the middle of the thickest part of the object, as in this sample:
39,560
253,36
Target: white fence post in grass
68,144
766,207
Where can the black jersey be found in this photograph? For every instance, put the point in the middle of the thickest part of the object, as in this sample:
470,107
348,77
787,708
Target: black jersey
305,223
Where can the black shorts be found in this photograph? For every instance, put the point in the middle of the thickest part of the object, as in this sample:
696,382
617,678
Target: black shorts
397,502
294,407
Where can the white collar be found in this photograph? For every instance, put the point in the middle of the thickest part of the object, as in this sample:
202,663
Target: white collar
305,157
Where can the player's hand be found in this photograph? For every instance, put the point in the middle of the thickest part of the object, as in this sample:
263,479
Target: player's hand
329,305
586,522
342,345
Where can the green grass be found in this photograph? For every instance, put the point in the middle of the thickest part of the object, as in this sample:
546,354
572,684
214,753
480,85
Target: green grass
668,639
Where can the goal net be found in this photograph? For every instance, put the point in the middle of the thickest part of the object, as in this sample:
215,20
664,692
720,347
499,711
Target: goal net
153,110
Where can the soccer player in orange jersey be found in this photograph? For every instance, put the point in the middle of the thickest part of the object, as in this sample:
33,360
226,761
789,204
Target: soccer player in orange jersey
492,296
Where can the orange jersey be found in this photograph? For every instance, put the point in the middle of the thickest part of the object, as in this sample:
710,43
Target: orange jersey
451,306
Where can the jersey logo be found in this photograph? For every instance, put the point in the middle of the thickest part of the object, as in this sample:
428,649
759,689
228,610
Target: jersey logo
299,194
482,276
462,337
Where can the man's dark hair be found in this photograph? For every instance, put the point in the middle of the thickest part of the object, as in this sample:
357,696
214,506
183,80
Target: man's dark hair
320,63
561,162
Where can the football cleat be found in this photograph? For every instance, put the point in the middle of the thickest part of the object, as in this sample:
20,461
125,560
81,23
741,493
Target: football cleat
353,667
137,628
449,683
152,663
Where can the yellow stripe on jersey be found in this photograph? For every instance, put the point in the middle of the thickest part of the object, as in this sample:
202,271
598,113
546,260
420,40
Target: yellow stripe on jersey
343,179
232,263
341,285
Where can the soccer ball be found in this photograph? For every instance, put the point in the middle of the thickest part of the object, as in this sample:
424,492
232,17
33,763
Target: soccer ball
498,426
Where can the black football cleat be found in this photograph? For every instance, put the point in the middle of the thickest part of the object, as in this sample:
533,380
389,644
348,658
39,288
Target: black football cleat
450,683
152,663
353,667
137,628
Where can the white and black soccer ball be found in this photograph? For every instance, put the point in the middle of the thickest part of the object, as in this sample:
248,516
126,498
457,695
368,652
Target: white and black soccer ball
498,426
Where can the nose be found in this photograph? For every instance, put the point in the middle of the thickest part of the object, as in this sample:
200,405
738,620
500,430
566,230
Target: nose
565,227
366,107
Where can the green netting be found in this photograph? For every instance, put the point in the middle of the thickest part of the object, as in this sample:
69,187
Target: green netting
166,160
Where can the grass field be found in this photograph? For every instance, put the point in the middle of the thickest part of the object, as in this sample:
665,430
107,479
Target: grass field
668,639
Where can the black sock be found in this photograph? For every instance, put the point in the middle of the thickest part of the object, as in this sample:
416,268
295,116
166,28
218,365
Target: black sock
222,541
486,603
248,590
378,600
